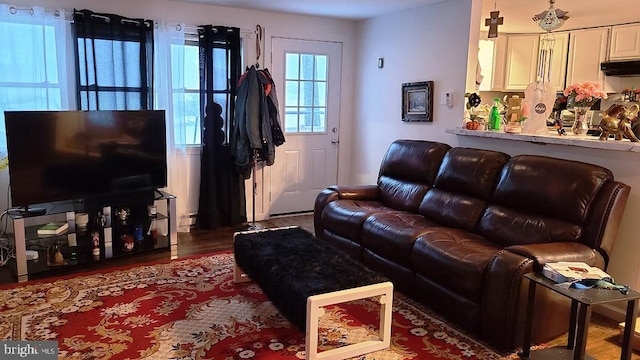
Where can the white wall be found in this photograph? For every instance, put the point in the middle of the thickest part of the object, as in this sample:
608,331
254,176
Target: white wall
432,43
426,44
274,24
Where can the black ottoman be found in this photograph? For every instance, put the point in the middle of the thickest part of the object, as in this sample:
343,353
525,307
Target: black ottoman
301,274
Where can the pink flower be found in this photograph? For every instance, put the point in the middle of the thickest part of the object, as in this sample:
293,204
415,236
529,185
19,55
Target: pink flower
586,93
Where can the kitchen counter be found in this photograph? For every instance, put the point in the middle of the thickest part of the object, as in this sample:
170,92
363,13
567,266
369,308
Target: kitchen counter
553,138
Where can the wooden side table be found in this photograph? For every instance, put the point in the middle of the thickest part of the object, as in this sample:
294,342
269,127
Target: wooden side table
581,302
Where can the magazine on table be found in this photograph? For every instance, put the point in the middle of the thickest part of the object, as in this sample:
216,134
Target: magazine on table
568,271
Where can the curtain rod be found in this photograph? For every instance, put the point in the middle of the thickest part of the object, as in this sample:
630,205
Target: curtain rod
193,29
14,10
188,28
107,19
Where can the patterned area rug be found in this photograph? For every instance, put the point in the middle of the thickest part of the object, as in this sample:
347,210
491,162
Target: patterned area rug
192,309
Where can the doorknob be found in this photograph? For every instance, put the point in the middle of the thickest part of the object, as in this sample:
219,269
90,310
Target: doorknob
335,141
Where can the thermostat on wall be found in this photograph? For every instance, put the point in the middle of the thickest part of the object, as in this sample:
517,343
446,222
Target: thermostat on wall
31,254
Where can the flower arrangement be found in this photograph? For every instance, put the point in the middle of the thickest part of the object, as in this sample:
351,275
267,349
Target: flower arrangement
584,94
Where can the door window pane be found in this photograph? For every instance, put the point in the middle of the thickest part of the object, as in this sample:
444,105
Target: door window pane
320,94
291,120
306,65
305,92
293,66
291,97
321,67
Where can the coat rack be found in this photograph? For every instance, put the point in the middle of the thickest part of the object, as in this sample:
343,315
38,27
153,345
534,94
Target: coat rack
254,182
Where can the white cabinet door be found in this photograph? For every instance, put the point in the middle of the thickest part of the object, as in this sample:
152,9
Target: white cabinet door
554,72
499,63
522,56
491,57
625,42
587,49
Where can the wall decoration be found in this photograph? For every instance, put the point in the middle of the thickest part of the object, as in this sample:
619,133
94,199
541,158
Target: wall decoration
493,21
552,18
417,101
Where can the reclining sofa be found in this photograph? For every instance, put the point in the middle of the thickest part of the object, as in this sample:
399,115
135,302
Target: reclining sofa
457,228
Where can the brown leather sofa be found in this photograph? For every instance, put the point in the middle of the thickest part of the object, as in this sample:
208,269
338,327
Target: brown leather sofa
457,228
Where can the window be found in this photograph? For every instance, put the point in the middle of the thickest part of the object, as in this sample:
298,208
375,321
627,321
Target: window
186,91
305,93
114,61
33,62
185,62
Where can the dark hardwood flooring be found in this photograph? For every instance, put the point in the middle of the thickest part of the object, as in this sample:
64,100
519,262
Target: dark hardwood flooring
603,342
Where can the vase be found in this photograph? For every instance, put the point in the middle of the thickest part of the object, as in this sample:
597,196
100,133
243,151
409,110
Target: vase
580,124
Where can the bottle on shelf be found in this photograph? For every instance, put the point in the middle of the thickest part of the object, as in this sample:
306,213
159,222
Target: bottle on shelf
494,116
95,243
95,234
153,232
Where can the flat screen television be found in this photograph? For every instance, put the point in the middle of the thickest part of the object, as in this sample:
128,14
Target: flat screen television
75,155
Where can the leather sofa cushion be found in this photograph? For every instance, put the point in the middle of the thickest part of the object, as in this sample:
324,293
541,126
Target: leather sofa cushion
528,208
401,195
345,217
455,259
524,184
408,171
511,227
391,235
462,187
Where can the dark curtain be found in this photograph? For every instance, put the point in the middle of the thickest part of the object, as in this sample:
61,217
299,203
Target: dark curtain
114,61
222,196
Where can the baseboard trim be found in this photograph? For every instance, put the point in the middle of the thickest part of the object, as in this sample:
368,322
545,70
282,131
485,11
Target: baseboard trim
611,311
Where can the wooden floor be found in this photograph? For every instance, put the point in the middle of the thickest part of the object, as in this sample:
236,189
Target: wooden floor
603,332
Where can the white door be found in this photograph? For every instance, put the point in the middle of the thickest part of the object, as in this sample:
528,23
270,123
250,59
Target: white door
307,76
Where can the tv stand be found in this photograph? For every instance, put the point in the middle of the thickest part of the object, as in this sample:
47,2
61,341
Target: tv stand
34,211
149,232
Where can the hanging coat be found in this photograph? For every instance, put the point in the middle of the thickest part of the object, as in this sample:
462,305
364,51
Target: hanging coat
255,122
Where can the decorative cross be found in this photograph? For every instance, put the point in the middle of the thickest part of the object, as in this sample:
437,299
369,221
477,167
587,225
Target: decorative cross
493,23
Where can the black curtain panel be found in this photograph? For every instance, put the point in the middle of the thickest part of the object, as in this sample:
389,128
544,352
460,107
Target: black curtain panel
114,61
222,193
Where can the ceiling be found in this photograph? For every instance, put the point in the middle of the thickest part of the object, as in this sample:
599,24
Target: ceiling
517,13
346,9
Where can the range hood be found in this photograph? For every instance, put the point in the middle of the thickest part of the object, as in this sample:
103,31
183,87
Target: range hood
621,68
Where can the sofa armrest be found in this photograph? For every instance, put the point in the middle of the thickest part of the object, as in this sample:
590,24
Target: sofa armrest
357,192
336,192
559,251
500,299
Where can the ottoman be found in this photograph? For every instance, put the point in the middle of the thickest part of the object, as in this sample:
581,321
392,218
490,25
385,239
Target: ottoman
301,274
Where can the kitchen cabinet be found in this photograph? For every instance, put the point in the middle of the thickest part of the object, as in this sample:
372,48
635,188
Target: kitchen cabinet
556,46
625,42
587,49
521,61
491,57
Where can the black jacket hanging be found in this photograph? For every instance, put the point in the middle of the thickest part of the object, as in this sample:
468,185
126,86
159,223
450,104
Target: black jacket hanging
256,129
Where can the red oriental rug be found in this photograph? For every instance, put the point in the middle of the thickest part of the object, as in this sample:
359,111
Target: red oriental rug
192,309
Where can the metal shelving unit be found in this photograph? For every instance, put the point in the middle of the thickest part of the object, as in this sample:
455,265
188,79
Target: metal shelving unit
75,244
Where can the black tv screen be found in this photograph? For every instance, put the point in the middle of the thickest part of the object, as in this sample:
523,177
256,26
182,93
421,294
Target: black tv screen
68,155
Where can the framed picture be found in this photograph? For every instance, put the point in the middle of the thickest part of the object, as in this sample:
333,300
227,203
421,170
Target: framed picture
417,101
